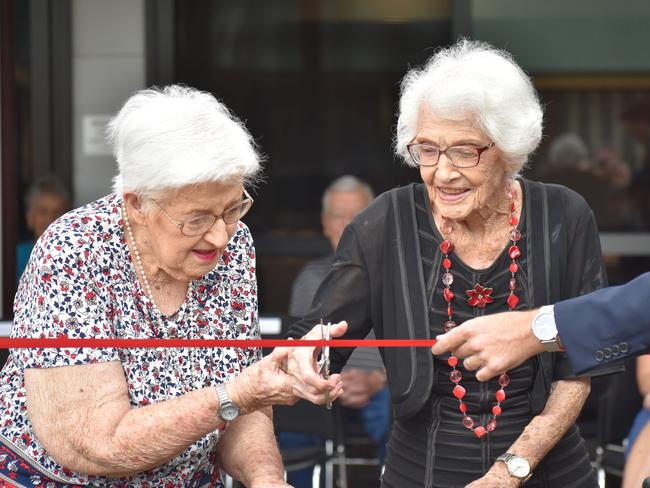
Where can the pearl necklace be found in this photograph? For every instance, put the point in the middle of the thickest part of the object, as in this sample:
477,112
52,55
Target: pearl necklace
172,353
138,260
147,286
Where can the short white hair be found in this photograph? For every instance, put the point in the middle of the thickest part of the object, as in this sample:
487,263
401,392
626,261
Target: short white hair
176,136
346,183
475,81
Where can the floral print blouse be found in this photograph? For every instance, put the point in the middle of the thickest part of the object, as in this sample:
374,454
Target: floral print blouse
80,283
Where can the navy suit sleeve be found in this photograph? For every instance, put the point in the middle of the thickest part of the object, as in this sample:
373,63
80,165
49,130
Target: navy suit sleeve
606,325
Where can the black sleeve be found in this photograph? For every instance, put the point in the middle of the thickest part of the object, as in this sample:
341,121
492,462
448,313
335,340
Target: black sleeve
344,294
585,270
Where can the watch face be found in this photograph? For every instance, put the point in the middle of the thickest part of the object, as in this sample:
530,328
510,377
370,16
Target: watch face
544,327
229,412
519,467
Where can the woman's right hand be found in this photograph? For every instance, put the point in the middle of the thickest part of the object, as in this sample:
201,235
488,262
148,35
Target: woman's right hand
285,376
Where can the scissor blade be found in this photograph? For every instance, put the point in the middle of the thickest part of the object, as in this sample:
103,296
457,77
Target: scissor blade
324,368
326,351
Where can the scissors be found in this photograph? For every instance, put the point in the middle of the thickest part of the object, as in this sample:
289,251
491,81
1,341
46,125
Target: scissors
324,361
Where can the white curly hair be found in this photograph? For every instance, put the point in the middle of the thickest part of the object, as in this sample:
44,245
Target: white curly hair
474,81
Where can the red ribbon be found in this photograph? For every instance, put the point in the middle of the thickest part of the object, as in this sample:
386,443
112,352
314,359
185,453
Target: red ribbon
59,342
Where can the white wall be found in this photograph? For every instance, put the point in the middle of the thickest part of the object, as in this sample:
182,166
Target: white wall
108,64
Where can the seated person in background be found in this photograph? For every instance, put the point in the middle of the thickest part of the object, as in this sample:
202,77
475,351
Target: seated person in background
637,452
636,121
47,199
365,398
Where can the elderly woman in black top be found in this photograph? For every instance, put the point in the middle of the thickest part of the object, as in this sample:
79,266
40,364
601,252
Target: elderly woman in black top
472,238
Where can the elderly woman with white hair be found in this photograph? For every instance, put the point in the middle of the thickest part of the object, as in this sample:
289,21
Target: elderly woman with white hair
164,256
472,238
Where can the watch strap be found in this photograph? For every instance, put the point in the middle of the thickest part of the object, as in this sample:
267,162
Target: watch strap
552,345
224,401
222,393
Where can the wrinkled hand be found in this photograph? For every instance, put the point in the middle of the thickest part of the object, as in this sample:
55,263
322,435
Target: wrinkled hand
285,376
302,365
360,385
495,481
492,344
497,477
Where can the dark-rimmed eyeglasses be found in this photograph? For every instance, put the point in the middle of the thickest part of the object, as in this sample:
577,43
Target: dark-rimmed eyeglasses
202,224
459,156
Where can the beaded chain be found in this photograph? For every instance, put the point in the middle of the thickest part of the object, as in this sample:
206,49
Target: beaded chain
480,297
138,260
191,311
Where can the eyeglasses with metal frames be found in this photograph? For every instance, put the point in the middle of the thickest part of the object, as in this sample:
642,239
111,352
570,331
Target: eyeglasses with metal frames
203,223
463,156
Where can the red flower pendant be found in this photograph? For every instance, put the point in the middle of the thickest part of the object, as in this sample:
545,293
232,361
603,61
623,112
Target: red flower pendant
479,296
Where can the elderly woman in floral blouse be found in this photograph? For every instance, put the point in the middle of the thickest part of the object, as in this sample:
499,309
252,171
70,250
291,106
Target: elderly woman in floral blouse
164,256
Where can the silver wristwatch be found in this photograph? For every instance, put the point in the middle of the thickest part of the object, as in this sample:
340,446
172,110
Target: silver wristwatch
545,329
228,411
517,466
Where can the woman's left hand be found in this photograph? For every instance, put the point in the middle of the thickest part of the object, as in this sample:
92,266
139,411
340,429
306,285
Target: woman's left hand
285,376
497,477
302,367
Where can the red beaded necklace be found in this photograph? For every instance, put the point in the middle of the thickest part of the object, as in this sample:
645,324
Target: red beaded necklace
480,297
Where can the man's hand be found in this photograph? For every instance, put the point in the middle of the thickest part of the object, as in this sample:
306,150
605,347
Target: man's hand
360,385
492,344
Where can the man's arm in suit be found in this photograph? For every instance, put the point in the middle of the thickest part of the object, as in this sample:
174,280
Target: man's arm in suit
597,328
606,325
